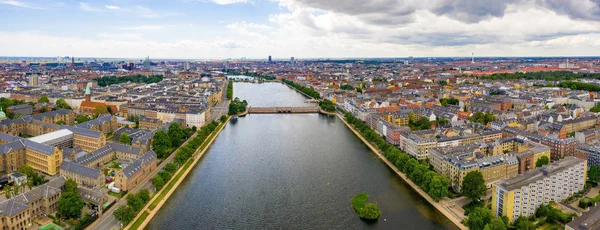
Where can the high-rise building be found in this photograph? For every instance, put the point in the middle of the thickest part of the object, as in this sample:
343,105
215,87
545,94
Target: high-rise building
34,80
186,66
147,63
131,66
523,194
292,60
270,60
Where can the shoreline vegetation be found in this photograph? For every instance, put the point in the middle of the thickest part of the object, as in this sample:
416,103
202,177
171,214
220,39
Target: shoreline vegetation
366,211
159,198
456,221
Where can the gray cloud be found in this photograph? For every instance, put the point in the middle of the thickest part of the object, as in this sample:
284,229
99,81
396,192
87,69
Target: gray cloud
386,12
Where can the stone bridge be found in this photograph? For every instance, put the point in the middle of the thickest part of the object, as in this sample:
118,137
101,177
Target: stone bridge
304,109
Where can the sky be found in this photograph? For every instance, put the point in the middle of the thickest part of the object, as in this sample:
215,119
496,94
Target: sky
217,29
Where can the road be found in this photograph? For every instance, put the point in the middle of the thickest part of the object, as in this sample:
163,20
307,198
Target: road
108,220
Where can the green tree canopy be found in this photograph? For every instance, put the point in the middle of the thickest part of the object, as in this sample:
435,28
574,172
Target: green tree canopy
543,160
594,173
43,99
161,143
158,182
478,218
124,138
61,103
473,185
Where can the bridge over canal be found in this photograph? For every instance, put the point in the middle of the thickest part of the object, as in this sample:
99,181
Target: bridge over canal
301,109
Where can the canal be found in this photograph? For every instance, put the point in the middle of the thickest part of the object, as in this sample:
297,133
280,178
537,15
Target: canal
290,171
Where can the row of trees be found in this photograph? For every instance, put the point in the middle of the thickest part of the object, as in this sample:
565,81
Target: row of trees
482,118
163,142
548,76
186,152
164,175
579,86
111,80
327,105
135,203
251,74
230,90
431,182
237,106
308,91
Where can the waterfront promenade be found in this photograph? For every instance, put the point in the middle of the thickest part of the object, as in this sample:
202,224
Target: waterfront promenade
148,211
441,207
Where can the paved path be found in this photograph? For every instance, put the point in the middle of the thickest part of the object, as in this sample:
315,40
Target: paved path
108,220
439,206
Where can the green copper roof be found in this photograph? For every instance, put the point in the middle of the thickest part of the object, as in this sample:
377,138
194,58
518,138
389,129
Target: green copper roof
2,114
87,90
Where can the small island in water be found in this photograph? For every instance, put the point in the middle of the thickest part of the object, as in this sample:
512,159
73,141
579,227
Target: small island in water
366,211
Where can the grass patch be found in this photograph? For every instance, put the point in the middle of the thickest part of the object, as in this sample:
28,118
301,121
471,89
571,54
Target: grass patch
117,195
169,186
140,220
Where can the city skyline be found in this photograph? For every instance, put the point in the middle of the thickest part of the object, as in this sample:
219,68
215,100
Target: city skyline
220,29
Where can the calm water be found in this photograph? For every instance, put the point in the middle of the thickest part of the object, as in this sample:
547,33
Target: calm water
290,171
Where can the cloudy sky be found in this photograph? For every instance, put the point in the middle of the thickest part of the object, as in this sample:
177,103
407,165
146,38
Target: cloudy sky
299,28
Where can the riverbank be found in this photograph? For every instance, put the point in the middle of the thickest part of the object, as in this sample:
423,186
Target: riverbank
297,90
416,188
327,113
150,210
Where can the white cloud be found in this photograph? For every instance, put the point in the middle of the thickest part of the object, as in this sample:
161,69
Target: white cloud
142,28
246,28
87,7
19,4
111,7
145,12
226,2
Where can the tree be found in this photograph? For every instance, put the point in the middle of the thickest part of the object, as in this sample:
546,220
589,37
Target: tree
473,185
44,109
544,160
125,214
158,182
135,202
223,118
170,167
26,170
176,134
478,218
144,195
438,187
164,175
161,143
594,173
496,224
70,186
69,203
43,99
541,211
124,138
61,103
82,119
522,223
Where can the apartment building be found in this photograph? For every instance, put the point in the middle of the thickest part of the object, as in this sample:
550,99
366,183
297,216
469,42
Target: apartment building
136,172
84,176
523,194
456,162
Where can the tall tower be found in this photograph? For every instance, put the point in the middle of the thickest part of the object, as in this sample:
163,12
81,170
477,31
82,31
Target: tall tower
88,93
472,58
72,62
270,59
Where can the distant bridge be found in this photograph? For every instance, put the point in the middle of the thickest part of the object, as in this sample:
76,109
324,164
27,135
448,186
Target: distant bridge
303,109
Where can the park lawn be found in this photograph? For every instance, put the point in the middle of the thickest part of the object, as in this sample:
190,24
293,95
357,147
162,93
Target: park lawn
117,195
140,220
